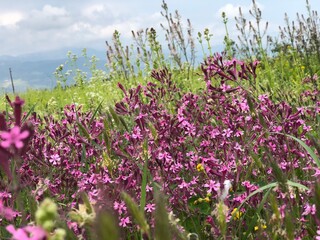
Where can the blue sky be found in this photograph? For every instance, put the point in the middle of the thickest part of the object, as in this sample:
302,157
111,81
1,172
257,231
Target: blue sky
36,25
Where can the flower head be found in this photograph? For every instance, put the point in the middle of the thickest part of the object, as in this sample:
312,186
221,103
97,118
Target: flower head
124,222
7,213
26,233
14,137
236,214
200,167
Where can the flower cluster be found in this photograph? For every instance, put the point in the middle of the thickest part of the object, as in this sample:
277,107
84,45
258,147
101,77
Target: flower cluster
204,151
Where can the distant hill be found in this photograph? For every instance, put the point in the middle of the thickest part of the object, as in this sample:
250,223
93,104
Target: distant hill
36,70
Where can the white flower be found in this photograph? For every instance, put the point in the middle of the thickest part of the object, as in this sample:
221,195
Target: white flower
227,186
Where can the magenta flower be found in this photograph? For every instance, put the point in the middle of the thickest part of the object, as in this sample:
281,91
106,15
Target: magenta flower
120,207
150,207
213,186
14,137
124,222
27,233
7,213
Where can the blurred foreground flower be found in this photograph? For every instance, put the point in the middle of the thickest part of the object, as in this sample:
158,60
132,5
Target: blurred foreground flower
7,212
14,137
27,233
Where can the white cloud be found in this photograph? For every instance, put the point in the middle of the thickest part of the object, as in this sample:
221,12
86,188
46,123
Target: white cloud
54,11
232,10
49,17
94,10
10,19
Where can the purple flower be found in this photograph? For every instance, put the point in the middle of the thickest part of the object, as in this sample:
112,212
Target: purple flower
213,186
14,137
7,213
55,159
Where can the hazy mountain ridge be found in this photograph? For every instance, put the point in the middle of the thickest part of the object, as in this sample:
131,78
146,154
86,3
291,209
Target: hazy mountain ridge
36,70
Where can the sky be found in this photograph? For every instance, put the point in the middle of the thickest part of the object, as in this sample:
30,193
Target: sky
36,25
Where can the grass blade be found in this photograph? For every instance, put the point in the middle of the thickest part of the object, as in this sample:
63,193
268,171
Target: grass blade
95,112
106,227
162,225
259,190
305,146
297,185
137,215
31,110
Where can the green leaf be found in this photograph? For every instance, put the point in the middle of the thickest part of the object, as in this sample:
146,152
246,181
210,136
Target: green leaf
83,131
251,107
31,110
107,136
289,224
123,123
153,131
115,117
259,190
86,201
95,112
297,185
74,216
317,198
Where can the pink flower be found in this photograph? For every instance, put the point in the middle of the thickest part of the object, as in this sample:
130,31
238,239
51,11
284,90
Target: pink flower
213,185
55,159
120,207
150,207
318,235
26,233
13,137
309,209
7,213
124,222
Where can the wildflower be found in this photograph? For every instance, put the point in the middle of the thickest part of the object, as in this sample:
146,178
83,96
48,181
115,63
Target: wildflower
27,233
7,213
309,209
124,222
150,207
14,137
212,186
227,132
256,228
200,167
120,207
226,189
236,214
55,159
